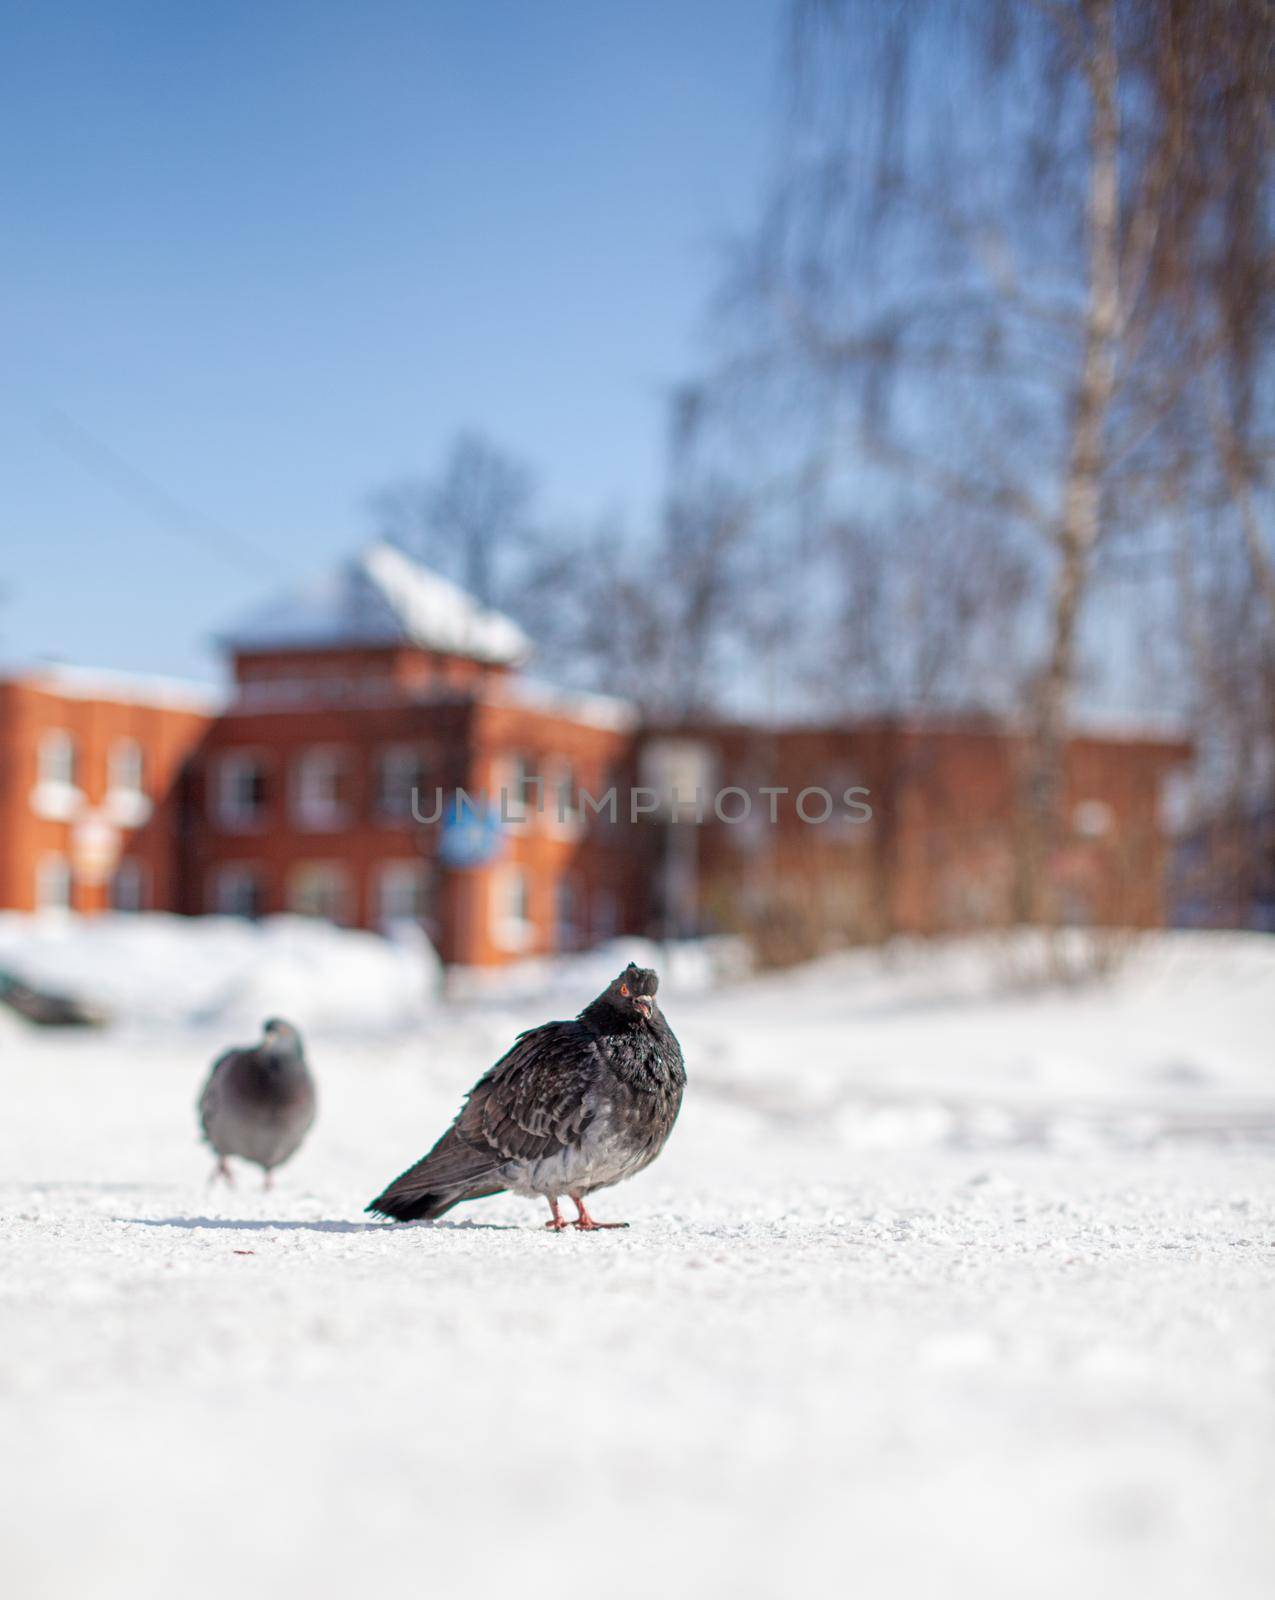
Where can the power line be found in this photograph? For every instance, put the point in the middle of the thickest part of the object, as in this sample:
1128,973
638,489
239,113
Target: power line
168,512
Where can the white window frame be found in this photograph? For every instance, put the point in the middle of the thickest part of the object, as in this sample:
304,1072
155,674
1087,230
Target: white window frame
845,824
410,761
57,759
518,789
390,878
126,767
313,809
126,802
513,928
53,868
1093,819
1176,801
57,796
339,875
563,820
228,807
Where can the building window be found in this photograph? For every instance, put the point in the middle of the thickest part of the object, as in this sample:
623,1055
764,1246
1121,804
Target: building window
53,884
126,767
566,908
126,800
1175,802
518,793
57,759
320,889
55,795
238,891
605,914
320,793
678,767
849,821
1076,906
513,928
128,886
1093,819
561,796
560,786
240,790
521,775
402,893
400,772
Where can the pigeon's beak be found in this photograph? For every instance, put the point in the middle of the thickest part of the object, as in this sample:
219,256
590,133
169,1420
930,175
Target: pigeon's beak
644,1003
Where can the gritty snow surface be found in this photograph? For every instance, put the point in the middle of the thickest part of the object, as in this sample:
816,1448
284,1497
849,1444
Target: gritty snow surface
945,1285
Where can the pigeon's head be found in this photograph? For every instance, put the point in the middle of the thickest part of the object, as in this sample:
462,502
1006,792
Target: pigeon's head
632,994
281,1036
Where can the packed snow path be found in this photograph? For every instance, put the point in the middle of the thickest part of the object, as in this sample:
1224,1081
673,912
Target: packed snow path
967,1295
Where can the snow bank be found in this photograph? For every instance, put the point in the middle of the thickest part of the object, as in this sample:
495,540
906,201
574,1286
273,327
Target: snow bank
13,1030
946,1044
1016,965
686,967
222,971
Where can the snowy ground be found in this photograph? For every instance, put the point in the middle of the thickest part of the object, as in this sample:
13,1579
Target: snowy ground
938,1290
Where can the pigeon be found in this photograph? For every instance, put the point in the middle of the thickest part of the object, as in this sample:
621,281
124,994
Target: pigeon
259,1102
572,1107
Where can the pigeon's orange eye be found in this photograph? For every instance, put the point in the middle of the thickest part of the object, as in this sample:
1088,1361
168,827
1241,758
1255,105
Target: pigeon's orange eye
624,988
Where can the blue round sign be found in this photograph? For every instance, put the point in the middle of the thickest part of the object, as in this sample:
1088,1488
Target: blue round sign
472,835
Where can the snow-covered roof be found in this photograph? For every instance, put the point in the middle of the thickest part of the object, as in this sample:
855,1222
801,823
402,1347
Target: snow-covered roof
383,596
597,710
123,688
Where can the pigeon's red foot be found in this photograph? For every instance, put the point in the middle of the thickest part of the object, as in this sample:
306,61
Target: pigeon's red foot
221,1170
585,1222
557,1222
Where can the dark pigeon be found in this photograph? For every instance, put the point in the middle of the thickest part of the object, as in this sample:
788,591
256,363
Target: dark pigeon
259,1103
573,1107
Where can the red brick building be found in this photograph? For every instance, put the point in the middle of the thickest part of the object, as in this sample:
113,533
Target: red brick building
91,777
941,851
384,681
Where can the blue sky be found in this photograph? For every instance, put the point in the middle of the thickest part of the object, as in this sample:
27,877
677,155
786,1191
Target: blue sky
259,259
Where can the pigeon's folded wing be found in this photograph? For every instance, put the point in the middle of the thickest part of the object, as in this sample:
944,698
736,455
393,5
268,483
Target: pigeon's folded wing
535,1099
210,1100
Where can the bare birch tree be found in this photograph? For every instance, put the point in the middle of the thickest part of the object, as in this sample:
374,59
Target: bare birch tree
967,275
472,521
654,614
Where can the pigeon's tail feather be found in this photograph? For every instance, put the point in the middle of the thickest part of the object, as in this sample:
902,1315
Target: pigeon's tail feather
453,1171
422,1207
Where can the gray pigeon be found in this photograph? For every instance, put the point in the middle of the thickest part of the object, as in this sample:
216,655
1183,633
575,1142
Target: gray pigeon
573,1107
259,1103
